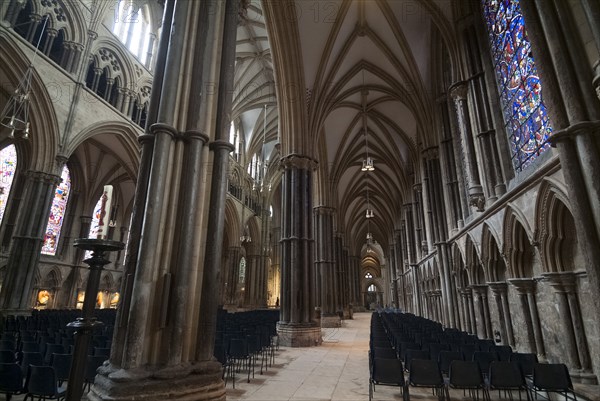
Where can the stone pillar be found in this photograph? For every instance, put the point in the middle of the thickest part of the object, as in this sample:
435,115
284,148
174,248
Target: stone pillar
485,326
150,52
24,254
575,341
459,92
35,20
574,110
75,275
46,47
162,347
325,264
526,290
499,290
297,327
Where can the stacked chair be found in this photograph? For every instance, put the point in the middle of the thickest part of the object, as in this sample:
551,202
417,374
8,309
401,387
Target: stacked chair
410,351
36,352
244,339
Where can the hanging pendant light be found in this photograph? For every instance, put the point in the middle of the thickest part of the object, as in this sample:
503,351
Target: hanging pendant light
15,115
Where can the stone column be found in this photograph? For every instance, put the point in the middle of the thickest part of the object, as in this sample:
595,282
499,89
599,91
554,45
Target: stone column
574,110
526,290
35,20
75,276
325,265
162,347
252,277
565,289
485,327
459,92
24,254
297,327
46,47
499,290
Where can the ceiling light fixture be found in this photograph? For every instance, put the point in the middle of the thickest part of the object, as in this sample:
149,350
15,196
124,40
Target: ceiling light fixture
15,115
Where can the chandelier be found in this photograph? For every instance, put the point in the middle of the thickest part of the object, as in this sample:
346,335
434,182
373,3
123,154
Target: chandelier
15,115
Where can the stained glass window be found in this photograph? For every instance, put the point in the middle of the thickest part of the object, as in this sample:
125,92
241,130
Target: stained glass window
525,115
8,160
95,224
57,213
242,272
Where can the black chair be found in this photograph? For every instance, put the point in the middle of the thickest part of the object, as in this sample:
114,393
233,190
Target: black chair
507,376
445,358
102,352
552,378
31,358
468,350
383,353
387,372
466,375
11,380
426,373
30,346
503,352
405,346
436,348
8,345
238,354
526,360
221,355
413,354
7,356
254,348
52,349
484,359
41,383
92,364
62,365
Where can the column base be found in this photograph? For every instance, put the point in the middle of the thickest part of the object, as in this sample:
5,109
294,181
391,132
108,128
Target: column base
583,377
198,382
329,321
299,335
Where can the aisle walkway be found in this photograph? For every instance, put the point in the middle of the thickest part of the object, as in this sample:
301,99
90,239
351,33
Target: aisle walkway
338,370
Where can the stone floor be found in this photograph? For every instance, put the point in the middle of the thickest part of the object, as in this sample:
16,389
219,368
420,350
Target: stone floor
338,370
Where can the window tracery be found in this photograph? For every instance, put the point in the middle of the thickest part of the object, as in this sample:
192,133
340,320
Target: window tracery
525,115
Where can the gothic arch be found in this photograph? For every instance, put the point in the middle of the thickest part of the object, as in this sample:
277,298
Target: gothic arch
555,232
232,224
518,244
106,53
41,148
64,15
492,259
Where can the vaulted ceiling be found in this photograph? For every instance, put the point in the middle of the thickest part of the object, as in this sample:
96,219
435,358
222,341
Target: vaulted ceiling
368,66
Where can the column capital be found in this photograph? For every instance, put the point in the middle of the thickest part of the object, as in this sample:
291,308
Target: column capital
324,210
561,281
160,128
458,90
85,219
299,162
569,133
498,287
479,289
524,285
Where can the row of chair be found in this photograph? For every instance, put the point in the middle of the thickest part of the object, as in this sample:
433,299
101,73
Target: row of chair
243,339
503,376
459,364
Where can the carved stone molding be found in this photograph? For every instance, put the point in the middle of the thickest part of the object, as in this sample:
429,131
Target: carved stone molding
299,162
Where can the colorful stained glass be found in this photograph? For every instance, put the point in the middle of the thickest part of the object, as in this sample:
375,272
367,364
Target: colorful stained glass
8,161
95,225
57,213
525,115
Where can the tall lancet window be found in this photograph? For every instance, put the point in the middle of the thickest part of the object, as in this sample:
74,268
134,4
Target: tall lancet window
57,213
525,115
8,165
